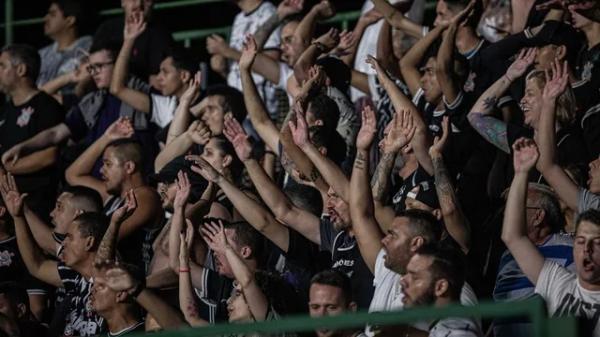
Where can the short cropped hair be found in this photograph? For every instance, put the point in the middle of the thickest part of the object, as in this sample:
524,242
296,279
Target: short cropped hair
325,109
85,198
92,224
233,100
591,215
335,278
75,9
129,150
422,223
27,55
183,59
448,264
245,235
305,197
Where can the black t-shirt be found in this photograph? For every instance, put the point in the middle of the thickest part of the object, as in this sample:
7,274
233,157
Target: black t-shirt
13,269
149,48
213,296
346,257
414,179
81,319
19,123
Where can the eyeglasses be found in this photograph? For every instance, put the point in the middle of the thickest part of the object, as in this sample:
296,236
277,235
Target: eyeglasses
94,68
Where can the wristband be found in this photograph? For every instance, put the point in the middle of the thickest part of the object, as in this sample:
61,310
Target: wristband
181,270
508,78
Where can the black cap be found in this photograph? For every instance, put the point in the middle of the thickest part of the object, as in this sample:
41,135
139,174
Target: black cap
168,175
561,34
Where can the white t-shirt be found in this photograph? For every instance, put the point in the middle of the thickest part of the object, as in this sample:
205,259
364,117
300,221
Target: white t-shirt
388,292
163,109
249,23
564,295
455,327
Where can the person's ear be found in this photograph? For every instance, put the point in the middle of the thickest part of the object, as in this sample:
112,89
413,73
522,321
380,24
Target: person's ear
416,243
540,214
90,242
21,310
323,151
441,287
227,160
352,306
561,52
246,252
70,20
21,70
185,76
122,296
130,167
319,122
437,213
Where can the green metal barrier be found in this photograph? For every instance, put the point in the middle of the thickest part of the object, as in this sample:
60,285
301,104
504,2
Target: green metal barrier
534,309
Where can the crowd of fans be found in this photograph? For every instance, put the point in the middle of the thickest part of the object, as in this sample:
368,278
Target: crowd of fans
398,164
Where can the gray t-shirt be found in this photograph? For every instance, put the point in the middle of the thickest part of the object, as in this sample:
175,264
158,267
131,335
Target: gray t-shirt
587,200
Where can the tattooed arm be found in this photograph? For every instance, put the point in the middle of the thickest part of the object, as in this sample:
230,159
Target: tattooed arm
455,221
490,128
107,249
380,188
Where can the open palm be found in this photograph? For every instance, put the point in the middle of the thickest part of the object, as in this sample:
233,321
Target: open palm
366,134
525,155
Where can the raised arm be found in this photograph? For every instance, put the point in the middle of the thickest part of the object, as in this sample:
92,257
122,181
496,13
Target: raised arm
178,219
119,279
285,9
332,173
107,250
134,27
397,19
256,110
306,28
489,127
38,265
444,69
364,225
300,220
398,133
256,215
556,84
322,45
197,133
44,139
79,172
258,304
455,221
182,117
514,233
187,299
34,162
42,232
409,64
422,138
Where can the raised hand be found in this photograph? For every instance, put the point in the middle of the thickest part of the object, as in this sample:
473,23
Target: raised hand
238,138
119,279
199,132
13,199
124,212
463,17
193,89
399,132
375,64
215,44
439,143
329,40
203,168
366,134
299,129
119,129
347,42
289,7
525,155
325,9
214,235
521,64
134,26
556,81
249,51
185,244
183,190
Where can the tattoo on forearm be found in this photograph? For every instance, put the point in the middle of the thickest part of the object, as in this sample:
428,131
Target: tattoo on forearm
264,31
443,185
379,182
490,102
192,308
106,249
492,129
360,162
314,174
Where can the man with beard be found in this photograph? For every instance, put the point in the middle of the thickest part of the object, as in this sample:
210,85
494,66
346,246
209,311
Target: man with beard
435,276
122,170
565,292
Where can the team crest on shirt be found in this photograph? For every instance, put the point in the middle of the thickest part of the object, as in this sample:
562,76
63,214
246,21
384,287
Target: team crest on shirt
586,75
25,116
6,258
470,82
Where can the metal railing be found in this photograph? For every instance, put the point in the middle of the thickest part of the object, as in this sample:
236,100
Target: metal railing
534,309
